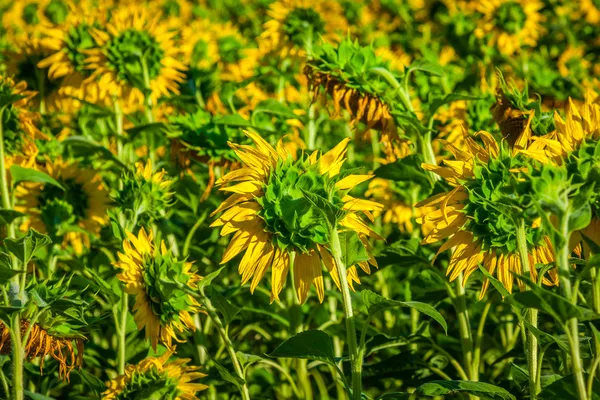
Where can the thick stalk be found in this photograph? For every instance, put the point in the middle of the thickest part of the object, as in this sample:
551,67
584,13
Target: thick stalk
571,326
18,355
337,346
122,332
466,339
355,356
531,345
595,272
216,320
312,127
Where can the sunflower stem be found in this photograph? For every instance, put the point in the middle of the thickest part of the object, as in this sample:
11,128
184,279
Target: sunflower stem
571,327
466,338
479,339
148,110
122,331
355,356
531,345
216,320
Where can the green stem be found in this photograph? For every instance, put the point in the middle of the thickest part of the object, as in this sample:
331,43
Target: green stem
5,386
122,332
312,127
595,272
216,320
375,148
18,355
355,356
571,326
466,339
190,235
531,344
148,110
337,346
479,339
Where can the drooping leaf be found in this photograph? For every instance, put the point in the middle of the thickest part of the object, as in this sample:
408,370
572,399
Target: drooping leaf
8,216
427,66
481,389
353,250
376,303
566,388
495,282
407,169
223,305
25,247
309,345
82,146
22,174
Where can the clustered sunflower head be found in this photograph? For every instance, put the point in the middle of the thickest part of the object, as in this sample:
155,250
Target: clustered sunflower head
158,280
510,24
136,57
70,212
146,192
296,24
18,123
276,212
156,378
478,216
345,72
65,349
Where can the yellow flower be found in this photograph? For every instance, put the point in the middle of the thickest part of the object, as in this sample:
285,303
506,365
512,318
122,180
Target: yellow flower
579,125
156,378
276,224
296,24
570,57
466,218
510,24
163,311
80,209
589,10
120,68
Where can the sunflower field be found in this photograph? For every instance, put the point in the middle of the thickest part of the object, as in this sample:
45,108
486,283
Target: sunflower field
300,199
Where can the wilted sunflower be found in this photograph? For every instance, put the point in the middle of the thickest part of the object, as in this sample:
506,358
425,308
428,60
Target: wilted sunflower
471,216
122,69
296,24
164,311
156,378
41,343
19,128
72,214
345,74
510,24
277,224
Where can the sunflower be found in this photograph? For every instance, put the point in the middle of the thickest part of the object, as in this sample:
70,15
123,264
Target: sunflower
157,378
199,48
510,24
237,61
119,66
19,125
41,343
572,63
73,212
67,44
471,217
296,24
163,311
277,224
590,10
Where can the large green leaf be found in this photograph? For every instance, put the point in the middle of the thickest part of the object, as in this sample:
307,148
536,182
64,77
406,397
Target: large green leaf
82,146
426,66
481,389
237,381
376,303
566,388
309,345
25,247
353,250
8,216
22,174
405,169
223,305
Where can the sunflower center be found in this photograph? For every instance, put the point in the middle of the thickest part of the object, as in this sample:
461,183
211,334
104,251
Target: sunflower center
30,14
133,55
73,197
230,49
303,24
510,17
57,11
171,8
292,219
29,72
162,276
78,38
496,184
151,384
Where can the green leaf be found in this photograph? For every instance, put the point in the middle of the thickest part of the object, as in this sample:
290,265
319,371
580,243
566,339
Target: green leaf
82,146
6,270
155,128
309,345
481,389
8,216
407,169
395,396
272,315
565,388
580,218
223,305
353,250
227,376
495,282
37,396
247,359
21,174
274,107
437,102
426,66
232,120
206,281
376,303
25,247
